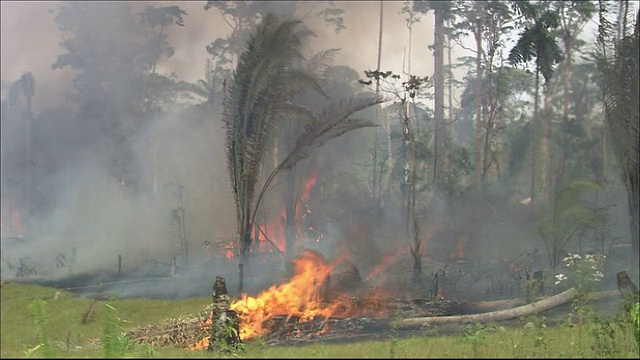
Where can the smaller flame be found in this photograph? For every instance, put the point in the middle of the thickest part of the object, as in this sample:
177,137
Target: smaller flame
204,342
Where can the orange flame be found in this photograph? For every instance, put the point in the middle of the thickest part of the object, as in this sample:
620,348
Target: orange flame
298,297
274,229
204,342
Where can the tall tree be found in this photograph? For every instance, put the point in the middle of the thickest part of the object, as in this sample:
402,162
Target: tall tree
443,11
375,142
537,43
260,97
619,71
478,95
115,53
574,15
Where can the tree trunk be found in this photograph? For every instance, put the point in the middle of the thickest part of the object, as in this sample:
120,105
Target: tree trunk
290,213
514,313
534,138
245,246
29,166
565,105
375,142
438,70
544,154
478,105
448,126
387,124
634,218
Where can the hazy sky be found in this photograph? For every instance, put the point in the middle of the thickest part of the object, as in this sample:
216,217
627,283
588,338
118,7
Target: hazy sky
30,42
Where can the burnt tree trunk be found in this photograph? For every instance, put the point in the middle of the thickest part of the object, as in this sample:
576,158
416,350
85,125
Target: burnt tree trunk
224,322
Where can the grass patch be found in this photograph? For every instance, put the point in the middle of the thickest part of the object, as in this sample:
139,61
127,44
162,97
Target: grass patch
65,335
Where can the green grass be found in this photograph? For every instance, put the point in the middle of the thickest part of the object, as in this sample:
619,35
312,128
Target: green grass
63,327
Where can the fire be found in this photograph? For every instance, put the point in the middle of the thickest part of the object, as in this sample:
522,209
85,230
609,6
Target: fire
204,342
298,297
304,196
301,298
274,228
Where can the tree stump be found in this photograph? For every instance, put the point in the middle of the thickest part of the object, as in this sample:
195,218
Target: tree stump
224,322
627,288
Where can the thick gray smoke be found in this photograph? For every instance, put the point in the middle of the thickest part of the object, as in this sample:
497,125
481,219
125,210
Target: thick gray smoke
88,215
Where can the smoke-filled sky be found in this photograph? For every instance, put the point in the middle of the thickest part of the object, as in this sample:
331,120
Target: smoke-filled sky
30,41
94,212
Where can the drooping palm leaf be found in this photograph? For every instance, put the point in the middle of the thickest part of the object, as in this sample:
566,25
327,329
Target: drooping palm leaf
619,71
261,96
334,121
257,97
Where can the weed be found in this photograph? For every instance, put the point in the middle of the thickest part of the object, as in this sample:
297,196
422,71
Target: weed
605,337
393,344
541,340
38,312
476,336
634,316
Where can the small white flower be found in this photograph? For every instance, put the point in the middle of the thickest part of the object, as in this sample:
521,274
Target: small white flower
598,275
560,278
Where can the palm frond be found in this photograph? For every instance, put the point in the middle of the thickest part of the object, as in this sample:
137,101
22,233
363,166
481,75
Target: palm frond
334,121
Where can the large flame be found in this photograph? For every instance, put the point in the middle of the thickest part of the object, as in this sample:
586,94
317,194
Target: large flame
299,297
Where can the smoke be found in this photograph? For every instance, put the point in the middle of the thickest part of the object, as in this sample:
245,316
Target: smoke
96,216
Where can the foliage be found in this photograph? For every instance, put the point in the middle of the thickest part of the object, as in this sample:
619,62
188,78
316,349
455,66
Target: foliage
475,334
567,215
243,17
64,313
619,76
634,313
536,42
38,312
260,99
115,53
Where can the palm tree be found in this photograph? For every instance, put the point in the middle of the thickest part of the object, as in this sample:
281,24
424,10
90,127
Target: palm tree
260,97
619,78
537,42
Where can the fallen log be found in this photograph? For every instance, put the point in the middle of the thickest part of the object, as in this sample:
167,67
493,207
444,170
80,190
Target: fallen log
493,305
500,315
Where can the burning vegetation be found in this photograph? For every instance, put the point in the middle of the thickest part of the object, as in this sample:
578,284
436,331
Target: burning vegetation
307,297
414,224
